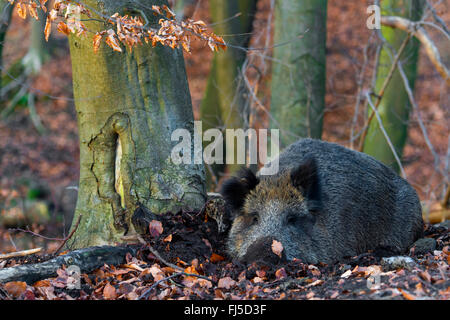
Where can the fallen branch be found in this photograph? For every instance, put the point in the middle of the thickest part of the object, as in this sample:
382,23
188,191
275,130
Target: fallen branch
22,253
420,33
87,259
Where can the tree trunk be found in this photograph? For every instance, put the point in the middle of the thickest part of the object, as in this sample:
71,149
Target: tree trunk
394,107
225,104
37,52
298,69
5,19
140,98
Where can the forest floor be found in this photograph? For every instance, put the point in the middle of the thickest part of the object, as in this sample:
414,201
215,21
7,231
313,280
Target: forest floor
184,257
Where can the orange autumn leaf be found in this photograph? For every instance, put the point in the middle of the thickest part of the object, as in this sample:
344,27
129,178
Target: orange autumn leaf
111,41
216,258
42,283
47,29
407,295
63,28
96,42
131,30
15,288
109,292
168,238
21,9
33,11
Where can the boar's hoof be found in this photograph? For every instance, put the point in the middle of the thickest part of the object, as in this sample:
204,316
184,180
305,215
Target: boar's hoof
260,251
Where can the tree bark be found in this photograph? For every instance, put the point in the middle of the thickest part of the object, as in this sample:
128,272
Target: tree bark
394,107
298,69
5,19
225,104
139,98
37,51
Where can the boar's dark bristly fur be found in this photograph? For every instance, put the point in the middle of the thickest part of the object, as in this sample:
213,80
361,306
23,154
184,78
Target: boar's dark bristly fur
326,202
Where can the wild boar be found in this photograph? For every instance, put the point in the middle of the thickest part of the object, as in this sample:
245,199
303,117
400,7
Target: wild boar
325,203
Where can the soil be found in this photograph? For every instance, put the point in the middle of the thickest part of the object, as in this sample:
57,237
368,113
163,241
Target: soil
191,241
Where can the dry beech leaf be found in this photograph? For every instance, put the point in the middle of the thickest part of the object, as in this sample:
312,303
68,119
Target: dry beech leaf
63,28
280,273
96,42
407,295
42,283
109,292
277,248
48,29
111,41
168,238
15,288
226,283
21,9
155,228
216,258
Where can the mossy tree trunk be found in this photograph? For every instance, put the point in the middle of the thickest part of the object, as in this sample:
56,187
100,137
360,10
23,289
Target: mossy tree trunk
139,98
225,104
394,107
298,69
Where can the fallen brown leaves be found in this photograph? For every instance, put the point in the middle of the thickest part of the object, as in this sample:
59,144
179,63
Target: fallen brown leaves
210,275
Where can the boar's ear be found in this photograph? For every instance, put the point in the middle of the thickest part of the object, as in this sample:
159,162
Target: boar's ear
305,177
234,190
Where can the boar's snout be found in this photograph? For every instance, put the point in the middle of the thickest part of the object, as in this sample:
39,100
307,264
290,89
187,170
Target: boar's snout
261,251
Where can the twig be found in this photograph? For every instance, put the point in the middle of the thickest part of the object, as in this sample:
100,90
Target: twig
382,90
70,235
147,292
22,253
421,124
420,33
35,234
437,18
12,241
157,255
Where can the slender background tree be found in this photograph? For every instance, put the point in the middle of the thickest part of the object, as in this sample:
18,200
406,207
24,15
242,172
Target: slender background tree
225,104
394,108
298,69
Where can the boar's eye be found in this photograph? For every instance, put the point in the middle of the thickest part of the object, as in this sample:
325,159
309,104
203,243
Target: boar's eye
292,218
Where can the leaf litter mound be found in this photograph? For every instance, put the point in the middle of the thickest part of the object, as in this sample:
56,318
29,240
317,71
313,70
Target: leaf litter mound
183,256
